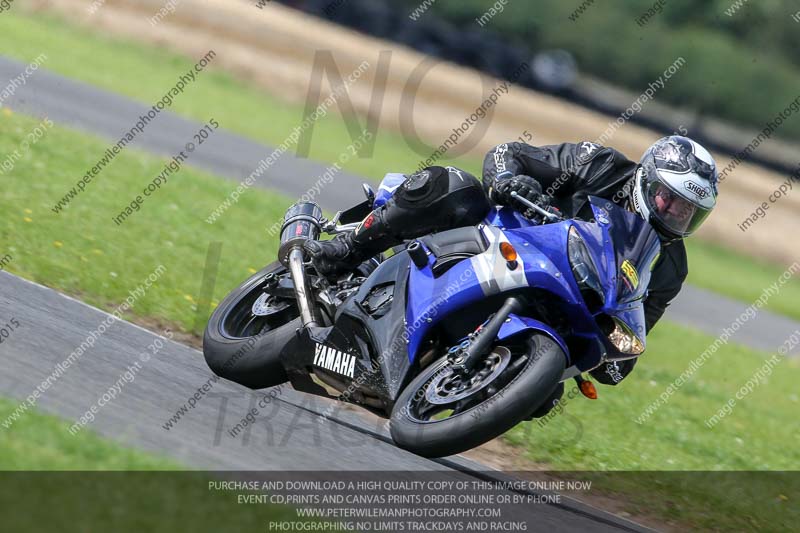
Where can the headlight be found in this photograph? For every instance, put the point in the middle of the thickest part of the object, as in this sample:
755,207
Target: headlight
583,268
624,339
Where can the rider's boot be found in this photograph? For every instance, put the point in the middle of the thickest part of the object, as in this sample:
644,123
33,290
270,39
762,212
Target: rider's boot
348,250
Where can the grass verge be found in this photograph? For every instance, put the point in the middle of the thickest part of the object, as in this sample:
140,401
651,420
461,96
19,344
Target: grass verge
743,278
43,442
611,436
56,481
759,434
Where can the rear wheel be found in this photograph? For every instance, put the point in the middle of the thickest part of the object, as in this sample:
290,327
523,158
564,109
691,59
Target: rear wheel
442,412
247,331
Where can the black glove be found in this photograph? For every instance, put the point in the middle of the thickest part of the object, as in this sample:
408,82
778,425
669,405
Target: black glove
525,186
611,373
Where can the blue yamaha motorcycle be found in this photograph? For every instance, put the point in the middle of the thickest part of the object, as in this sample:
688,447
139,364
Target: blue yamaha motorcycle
457,336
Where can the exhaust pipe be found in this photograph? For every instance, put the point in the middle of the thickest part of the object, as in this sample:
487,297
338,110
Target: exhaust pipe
302,222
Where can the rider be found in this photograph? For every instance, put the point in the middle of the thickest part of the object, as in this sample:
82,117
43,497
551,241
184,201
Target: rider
674,187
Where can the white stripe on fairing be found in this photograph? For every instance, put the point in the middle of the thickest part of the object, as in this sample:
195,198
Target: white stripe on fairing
491,268
391,175
389,189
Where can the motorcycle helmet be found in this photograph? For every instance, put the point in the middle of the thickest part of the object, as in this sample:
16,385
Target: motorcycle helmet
675,186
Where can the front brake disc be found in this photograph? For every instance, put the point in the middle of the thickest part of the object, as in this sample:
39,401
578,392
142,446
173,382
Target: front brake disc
262,306
449,387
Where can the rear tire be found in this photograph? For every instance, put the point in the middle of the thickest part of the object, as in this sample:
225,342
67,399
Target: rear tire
250,357
480,423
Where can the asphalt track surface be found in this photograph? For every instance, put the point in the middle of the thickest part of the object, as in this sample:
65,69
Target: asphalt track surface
291,437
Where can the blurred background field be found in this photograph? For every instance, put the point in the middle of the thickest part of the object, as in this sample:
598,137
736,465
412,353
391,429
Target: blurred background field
743,64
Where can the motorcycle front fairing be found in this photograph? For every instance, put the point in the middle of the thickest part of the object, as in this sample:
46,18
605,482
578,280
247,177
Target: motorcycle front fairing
623,247
540,253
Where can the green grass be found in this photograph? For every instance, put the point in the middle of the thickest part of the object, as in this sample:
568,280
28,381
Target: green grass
145,73
705,501
761,433
129,502
81,251
41,442
675,436
56,481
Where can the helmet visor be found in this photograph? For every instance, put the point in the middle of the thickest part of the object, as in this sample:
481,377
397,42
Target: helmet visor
673,211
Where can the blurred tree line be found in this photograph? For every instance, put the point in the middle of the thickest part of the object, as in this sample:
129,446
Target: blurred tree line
743,67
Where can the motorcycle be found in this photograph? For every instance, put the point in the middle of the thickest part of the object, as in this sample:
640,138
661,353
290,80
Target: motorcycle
456,336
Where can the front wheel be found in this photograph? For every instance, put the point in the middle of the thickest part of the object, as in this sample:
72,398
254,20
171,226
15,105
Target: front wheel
247,331
443,413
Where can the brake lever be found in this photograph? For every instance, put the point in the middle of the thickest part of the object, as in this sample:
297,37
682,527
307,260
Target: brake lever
527,203
332,226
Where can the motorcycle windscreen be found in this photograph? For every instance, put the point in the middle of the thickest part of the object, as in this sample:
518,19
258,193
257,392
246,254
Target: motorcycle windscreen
636,247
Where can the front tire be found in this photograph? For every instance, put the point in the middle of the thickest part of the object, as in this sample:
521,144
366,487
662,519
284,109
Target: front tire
245,348
415,428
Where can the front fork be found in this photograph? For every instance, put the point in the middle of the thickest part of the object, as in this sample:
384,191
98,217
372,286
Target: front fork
470,354
467,355
305,301
302,222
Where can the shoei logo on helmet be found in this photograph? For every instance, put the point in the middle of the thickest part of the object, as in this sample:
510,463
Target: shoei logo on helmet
630,274
698,190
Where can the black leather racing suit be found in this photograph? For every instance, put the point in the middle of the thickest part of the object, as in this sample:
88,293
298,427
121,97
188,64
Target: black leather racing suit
571,172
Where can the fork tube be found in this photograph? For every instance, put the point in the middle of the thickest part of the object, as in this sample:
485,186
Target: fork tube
485,337
300,288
